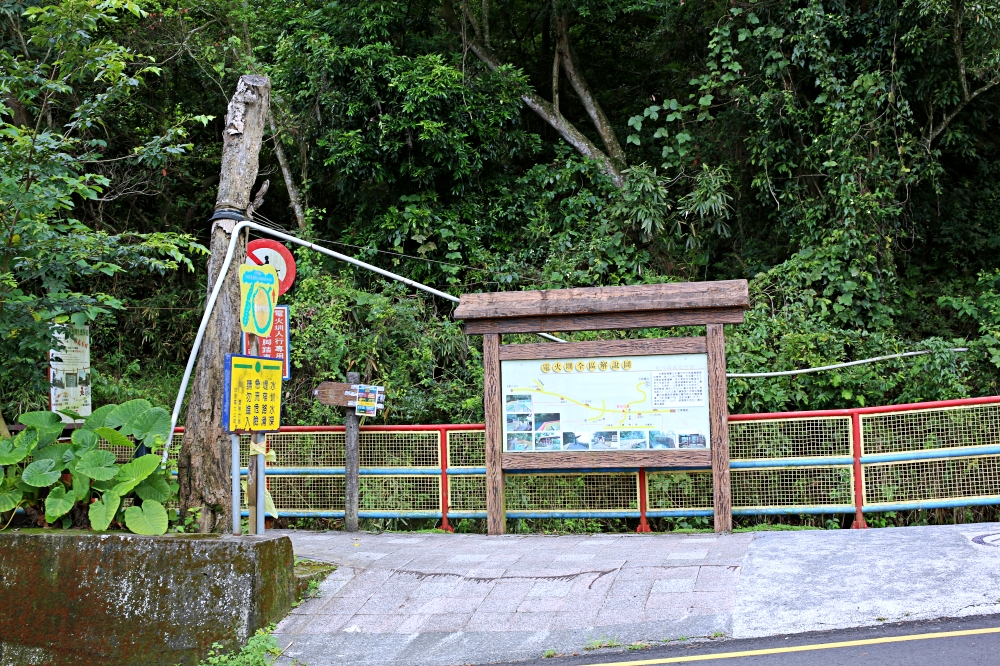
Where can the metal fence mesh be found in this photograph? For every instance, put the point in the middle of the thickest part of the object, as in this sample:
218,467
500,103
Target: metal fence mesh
467,492
307,493
571,492
790,438
400,493
976,425
792,486
975,476
466,448
679,490
305,449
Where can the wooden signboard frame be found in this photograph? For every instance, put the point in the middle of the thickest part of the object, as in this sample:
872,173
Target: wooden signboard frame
709,304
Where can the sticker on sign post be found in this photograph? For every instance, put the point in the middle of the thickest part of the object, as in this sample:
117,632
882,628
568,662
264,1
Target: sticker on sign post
252,401
278,344
258,299
367,400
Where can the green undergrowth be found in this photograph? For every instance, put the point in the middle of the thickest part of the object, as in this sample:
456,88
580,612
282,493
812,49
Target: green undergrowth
261,650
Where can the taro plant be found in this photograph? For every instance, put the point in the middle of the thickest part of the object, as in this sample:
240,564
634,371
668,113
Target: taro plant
80,481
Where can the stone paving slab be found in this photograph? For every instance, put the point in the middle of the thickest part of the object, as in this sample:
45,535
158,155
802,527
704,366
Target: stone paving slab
457,599
439,600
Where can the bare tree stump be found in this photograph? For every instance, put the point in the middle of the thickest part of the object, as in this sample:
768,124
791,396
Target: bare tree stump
204,465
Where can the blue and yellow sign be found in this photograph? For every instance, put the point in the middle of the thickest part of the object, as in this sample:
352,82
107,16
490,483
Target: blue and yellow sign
259,286
252,394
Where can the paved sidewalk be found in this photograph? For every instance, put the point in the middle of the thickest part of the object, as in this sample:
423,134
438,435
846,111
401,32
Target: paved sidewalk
439,599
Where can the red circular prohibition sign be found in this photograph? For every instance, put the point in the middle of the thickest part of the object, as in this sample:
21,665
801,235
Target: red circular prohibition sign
266,251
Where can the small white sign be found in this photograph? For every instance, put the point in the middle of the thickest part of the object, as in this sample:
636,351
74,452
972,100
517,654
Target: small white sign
69,372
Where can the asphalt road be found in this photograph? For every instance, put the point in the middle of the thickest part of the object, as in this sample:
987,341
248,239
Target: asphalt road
881,646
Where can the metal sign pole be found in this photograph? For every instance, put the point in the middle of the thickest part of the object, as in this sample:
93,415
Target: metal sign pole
352,462
235,440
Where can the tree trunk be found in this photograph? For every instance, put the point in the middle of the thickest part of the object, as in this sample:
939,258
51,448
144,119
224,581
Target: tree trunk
204,465
286,171
4,433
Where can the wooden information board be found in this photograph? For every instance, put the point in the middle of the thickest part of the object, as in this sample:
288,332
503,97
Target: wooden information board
657,403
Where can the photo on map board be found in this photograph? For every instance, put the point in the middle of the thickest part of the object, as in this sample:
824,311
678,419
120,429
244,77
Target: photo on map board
519,423
604,440
632,439
546,422
519,404
659,439
548,442
693,441
576,442
518,442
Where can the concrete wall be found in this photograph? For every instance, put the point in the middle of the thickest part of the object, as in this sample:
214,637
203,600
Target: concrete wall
69,597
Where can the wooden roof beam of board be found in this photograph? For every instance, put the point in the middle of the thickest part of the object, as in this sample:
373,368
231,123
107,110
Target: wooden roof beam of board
727,294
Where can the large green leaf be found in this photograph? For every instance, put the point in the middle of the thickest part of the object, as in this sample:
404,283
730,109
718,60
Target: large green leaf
10,498
114,438
58,503
124,412
16,449
154,487
39,419
130,475
48,425
98,416
41,473
103,511
98,465
150,518
56,453
151,426
81,487
84,440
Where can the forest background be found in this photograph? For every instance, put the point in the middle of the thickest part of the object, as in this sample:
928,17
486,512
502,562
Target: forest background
842,156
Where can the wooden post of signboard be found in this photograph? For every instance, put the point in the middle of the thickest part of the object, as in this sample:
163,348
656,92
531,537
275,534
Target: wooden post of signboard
352,462
709,304
496,519
718,415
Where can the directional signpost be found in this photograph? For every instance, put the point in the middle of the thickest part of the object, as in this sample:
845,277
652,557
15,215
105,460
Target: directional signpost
366,401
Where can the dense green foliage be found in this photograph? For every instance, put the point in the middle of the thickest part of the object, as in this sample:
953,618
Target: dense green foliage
840,155
79,482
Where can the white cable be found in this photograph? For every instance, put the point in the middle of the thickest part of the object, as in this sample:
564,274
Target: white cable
785,373
217,289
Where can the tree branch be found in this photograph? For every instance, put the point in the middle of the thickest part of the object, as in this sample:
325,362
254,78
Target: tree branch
542,108
286,172
594,110
967,97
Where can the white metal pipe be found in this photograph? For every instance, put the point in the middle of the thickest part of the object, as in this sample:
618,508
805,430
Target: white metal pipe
259,500
786,373
217,289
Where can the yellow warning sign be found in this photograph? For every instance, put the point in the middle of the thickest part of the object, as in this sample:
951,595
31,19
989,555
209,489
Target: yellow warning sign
253,394
258,299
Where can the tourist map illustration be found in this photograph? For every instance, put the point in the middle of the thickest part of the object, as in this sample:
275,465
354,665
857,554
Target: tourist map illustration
613,403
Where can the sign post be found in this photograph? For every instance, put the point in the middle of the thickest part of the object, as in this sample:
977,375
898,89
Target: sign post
366,401
617,403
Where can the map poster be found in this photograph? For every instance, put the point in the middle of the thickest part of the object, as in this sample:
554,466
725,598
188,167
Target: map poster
606,404
69,372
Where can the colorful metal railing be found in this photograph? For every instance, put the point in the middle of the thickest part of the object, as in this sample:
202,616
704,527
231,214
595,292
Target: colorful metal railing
871,459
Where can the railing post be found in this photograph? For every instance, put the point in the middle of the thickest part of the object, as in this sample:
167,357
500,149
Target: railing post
643,525
443,434
859,478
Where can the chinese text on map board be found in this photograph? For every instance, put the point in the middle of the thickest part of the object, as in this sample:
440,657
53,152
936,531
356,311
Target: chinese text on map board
600,404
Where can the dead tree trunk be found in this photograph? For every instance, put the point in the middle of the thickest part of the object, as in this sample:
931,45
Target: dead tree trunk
204,465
